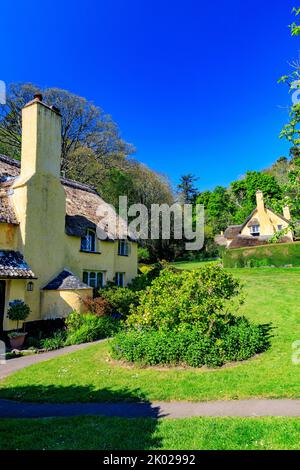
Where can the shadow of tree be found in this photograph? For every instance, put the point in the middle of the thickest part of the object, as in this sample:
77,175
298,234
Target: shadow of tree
117,420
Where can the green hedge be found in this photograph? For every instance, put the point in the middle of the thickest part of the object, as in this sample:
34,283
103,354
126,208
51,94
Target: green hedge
278,255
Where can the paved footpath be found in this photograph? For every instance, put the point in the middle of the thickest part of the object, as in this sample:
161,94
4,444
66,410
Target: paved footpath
238,408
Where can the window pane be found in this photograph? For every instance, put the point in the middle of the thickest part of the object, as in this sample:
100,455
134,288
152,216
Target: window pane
85,277
100,280
84,243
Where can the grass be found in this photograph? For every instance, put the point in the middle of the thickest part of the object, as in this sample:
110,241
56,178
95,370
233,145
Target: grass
88,375
88,433
194,264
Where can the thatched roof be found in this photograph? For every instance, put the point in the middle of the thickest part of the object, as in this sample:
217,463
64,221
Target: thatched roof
242,241
84,206
232,231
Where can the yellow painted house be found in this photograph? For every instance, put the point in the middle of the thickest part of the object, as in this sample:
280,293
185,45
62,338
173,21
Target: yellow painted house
50,254
258,228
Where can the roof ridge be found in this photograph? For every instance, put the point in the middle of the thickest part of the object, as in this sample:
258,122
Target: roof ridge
65,181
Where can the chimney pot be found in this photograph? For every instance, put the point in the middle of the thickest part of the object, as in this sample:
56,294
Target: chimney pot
38,96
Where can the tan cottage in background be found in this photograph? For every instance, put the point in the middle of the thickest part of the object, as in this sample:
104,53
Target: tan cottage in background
261,225
50,254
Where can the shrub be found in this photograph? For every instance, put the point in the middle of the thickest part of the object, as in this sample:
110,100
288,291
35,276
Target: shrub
99,306
120,299
279,255
143,254
18,311
83,328
186,297
55,342
190,346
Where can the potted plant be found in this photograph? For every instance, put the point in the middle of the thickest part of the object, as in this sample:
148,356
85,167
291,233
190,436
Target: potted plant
18,311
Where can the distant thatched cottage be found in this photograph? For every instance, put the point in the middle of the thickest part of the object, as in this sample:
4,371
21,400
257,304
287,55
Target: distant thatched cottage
261,225
51,255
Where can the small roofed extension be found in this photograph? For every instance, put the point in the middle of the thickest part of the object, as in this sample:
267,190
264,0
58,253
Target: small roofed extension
261,225
56,245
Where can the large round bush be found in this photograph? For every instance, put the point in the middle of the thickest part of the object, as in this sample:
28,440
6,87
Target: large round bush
186,318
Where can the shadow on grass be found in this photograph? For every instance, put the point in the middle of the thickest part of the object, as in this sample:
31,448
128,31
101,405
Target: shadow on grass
108,414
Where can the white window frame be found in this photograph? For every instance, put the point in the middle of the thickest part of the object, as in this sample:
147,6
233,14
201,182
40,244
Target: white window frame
89,243
118,278
255,230
93,275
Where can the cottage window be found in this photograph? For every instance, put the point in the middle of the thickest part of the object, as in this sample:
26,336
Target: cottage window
279,227
88,242
94,279
255,230
120,279
123,248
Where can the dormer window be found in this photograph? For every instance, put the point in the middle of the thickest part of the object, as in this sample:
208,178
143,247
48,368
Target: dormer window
88,242
255,230
123,248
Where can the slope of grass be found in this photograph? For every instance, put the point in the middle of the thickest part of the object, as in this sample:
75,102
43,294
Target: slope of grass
148,434
273,295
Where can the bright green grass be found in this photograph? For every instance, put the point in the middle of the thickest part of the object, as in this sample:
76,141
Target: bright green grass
190,265
149,434
273,295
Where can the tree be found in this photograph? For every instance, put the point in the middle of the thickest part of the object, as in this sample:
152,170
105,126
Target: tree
83,125
244,193
187,189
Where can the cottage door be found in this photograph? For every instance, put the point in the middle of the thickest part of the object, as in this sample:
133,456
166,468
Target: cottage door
2,304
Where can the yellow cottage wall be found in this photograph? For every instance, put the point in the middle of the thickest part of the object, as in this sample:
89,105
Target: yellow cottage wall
60,303
268,223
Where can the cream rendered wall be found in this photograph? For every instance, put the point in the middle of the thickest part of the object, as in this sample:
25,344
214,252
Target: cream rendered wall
107,261
8,237
60,303
268,223
39,198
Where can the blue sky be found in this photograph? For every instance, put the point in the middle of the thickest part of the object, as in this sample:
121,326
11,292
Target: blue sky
192,84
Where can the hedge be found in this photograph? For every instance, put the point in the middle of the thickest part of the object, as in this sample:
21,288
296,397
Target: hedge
277,255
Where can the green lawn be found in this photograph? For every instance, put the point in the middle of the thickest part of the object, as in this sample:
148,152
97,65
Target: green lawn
150,434
193,264
273,295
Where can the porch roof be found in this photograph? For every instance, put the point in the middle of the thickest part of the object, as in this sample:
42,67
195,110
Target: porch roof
66,281
13,266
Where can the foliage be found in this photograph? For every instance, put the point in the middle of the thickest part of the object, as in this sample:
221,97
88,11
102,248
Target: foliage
83,328
143,254
120,299
183,297
237,341
54,342
18,311
187,190
277,255
99,306
93,151
272,296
